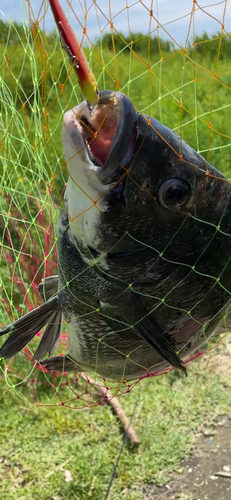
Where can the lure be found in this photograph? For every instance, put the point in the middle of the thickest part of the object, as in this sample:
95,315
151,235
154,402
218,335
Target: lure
76,55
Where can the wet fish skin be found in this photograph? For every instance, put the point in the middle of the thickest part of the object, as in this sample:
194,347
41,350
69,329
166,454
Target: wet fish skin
154,279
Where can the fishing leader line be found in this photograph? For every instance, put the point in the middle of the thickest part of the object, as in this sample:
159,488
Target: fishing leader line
125,437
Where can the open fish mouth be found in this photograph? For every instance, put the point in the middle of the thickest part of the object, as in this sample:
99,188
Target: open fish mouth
108,130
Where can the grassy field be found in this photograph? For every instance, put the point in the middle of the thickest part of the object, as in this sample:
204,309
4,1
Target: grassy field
53,453
188,92
56,453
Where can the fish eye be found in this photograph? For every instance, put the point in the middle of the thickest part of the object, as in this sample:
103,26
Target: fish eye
174,193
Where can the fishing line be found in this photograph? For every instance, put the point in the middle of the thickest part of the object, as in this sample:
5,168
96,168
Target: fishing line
117,461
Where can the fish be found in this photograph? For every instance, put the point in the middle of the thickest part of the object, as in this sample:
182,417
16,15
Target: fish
143,242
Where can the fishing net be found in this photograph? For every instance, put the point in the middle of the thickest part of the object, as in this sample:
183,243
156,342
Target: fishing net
157,54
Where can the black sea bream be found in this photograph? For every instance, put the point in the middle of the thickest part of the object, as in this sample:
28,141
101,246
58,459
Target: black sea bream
143,248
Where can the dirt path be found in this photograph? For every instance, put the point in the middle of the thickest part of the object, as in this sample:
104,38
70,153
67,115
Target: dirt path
197,479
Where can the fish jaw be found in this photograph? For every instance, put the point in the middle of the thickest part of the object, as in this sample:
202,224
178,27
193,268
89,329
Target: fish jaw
84,192
98,143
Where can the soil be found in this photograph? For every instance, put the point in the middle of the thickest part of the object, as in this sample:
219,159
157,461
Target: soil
197,479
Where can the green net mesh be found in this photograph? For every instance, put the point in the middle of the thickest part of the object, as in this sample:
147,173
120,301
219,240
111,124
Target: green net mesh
170,70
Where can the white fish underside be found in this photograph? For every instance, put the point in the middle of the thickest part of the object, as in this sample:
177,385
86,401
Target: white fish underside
83,187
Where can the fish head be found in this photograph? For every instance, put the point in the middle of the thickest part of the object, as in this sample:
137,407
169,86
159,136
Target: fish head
136,190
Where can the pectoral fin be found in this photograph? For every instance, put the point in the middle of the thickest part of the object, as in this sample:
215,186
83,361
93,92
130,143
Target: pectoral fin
148,329
145,327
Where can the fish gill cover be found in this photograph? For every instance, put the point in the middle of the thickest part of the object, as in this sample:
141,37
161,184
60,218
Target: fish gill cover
160,236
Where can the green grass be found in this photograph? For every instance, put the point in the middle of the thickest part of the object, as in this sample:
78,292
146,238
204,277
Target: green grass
38,86
39,444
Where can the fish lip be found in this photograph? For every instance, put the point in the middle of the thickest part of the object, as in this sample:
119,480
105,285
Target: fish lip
123,144
123,141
